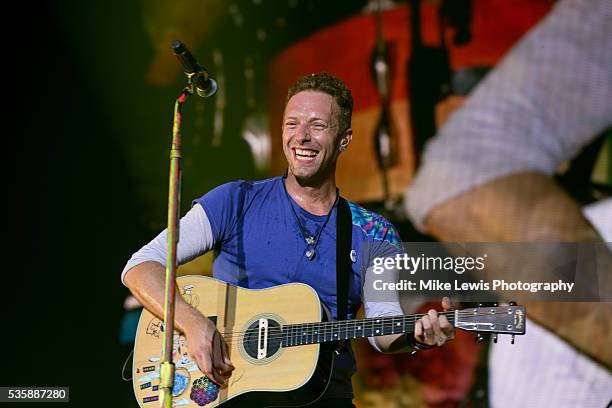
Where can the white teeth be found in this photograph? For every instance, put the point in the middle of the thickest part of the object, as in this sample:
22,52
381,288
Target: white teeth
307,153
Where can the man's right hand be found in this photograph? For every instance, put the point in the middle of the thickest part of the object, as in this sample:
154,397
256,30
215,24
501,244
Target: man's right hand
205,343
209,350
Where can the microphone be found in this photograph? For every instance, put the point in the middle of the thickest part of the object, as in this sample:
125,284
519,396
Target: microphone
204,85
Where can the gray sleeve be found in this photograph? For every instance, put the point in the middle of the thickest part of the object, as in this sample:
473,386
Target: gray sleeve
195,238
381,309
378,303
548,97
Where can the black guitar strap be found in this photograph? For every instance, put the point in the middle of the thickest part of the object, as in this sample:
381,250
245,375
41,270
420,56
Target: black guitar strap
344,235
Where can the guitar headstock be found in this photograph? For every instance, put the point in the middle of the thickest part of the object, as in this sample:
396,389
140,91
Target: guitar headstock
509,319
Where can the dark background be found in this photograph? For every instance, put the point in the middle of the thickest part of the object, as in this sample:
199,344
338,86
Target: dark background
74,209
84,118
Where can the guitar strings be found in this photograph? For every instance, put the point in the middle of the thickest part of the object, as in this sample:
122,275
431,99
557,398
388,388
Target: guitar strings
375,320
326,328
329,327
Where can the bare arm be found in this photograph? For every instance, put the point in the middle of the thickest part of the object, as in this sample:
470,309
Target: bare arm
144,275
146,281
527,207
521,207
485,177
206,345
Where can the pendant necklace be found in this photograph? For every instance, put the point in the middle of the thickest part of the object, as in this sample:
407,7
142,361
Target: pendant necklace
310,240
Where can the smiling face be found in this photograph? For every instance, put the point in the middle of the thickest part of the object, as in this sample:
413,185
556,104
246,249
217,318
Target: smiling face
312,139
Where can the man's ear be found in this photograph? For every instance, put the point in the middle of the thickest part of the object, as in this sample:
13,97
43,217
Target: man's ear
346,139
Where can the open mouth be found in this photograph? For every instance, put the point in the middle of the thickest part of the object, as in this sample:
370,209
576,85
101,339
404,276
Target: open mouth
305,155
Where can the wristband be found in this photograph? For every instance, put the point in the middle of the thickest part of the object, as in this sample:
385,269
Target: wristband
415,344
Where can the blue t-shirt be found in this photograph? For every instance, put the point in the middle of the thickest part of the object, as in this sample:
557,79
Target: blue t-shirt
259,243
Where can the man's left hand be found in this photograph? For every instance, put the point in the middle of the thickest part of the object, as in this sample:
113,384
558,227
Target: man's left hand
435,330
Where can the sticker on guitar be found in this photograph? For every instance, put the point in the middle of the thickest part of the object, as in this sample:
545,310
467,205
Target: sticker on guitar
155,327
192,298
204,391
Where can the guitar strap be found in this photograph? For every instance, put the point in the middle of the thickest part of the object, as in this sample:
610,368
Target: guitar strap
344,235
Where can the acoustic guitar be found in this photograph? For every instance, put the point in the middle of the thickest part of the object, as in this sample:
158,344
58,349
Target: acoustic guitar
281,349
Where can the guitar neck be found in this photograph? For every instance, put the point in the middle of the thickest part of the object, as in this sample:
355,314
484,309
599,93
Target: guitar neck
321,332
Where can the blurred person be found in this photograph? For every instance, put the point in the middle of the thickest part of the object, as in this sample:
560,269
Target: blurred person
487,176
282,230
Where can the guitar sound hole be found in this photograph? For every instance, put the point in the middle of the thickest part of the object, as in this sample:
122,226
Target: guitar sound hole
251,338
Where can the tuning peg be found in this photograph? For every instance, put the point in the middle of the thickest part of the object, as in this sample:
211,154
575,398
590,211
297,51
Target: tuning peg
479,338
512,339
512,303
495,304
494,336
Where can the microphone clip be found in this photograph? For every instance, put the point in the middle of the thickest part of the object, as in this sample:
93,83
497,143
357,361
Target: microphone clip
198,80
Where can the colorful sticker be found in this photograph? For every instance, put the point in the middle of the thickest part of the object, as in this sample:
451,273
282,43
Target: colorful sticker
148,368
145,385
184,361
155,388
181,382
204,391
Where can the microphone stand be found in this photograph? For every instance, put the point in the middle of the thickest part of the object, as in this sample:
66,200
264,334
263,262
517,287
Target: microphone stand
166,368
194,85
197,82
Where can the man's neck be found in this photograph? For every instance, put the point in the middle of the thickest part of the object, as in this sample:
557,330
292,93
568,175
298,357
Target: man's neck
316,198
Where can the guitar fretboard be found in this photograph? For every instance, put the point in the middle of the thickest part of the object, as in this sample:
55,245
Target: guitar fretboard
320,332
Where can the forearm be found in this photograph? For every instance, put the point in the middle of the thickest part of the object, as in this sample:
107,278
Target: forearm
522,207
393,343
529,207
147,283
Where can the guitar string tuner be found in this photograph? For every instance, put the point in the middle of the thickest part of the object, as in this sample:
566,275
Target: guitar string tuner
512,339
512,303
479,338
494,337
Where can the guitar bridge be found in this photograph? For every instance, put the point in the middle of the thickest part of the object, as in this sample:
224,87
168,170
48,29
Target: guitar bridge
262,339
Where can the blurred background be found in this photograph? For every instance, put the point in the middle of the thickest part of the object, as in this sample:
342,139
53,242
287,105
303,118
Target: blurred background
90,156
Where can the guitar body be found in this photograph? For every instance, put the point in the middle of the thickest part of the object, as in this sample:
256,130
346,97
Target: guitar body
282,352
275,376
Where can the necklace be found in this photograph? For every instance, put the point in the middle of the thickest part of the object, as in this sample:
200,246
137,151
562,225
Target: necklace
310,240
